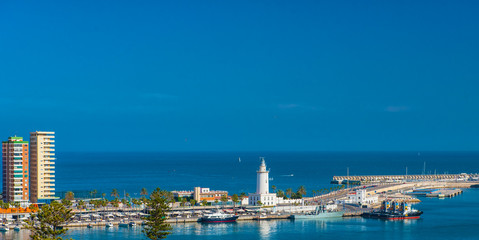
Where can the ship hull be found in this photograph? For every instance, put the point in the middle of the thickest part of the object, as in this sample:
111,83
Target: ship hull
386,216
219,220
319,216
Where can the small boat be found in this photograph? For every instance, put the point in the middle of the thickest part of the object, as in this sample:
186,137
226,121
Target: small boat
394,211
109,224
123,224
17,228
89,226
132,224
4,228
321,212
218,217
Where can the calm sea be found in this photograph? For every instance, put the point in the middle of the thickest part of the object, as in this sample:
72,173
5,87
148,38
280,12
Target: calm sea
452,218
236,171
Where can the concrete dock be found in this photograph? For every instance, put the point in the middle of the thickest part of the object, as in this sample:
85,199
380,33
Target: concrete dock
385,178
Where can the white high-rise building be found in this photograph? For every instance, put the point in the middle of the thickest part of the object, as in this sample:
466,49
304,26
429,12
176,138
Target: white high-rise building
262,196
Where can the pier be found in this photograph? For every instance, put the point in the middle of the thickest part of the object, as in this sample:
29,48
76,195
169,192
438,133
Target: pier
395,178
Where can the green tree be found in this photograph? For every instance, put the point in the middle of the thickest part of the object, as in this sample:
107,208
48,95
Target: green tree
289,192
103,195
66,202
114,193
280,193
224,199
274,188
183,201
4,205
93,193
243,194
47,223
144,192
80,204
192,202
204,202
301,191
156,226
70,196
235,200
259,203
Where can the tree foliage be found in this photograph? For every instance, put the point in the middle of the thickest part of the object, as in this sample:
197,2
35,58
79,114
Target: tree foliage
47,223
156,226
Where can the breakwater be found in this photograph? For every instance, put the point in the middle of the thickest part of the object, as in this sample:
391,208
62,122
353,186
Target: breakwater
385,178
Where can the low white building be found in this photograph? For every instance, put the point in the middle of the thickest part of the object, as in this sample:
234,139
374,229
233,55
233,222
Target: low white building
361,197
262,196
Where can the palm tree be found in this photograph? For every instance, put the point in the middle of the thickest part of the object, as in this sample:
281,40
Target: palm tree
81,203
289,192
280,193
93,193
204,202
235,200
114,193
314,193
224,199
274,188
144,192
301,191
103,195
70,196
17,206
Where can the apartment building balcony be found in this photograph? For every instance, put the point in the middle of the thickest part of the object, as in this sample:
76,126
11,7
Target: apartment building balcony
49,167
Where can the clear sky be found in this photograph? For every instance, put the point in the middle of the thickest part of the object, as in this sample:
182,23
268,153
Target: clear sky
242,75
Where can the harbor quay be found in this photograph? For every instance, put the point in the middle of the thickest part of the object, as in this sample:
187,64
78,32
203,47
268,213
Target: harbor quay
395,178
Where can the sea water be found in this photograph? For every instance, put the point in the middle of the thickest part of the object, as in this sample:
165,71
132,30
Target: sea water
450,218
236,171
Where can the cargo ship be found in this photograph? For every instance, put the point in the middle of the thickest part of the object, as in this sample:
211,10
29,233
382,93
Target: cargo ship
393,210
320,212
218,217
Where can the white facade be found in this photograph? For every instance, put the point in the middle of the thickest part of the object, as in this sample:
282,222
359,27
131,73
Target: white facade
361,197
262,188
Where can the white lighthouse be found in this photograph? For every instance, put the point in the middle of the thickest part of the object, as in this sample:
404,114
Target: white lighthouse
262,185
262,195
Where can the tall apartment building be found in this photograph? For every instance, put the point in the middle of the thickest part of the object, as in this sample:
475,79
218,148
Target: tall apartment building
42,167
15,170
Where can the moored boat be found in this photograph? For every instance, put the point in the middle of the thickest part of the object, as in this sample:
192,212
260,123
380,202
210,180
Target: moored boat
218,217
394,211
4,228
109,224
321,212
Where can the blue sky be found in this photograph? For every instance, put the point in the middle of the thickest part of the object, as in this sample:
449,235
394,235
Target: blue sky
242,75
